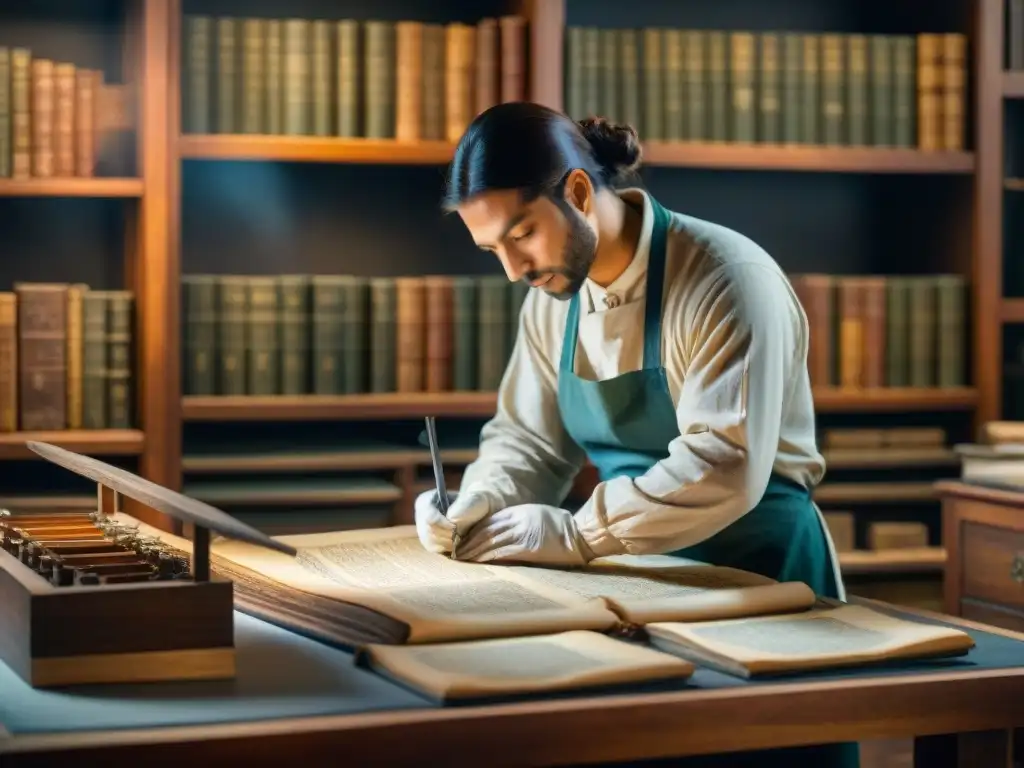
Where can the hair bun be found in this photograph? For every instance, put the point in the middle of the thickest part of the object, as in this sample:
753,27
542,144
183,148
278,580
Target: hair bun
616,147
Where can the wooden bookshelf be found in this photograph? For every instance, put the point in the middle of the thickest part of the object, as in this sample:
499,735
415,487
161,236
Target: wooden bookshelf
920,560
796,158
99,442
482,404
1013,311
1013,85
307,149
71,187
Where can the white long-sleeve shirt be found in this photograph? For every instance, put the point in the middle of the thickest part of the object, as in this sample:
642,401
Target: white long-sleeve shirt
734,348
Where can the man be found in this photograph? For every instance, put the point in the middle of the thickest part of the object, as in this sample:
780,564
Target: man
668,351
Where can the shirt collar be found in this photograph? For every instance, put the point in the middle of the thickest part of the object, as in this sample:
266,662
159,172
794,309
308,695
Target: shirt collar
630,284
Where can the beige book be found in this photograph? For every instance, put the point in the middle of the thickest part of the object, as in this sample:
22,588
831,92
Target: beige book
521,665
381,586
823,638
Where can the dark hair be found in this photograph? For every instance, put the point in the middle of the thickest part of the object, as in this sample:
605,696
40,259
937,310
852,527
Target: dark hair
526,146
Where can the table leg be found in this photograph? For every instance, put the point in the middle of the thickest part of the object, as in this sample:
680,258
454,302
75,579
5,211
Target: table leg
977,749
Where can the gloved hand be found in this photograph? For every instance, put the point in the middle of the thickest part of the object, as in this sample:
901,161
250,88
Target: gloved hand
437,532
527,533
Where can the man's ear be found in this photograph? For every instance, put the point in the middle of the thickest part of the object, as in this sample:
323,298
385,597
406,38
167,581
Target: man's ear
579,192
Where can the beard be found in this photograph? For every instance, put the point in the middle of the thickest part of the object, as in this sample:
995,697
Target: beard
577,258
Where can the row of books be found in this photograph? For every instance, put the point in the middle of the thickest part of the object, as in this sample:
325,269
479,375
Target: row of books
885,331
792,88
343,334
407,80
48,114
65,358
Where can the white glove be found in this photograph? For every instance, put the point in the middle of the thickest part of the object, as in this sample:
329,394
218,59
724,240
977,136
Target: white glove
437,532
527,533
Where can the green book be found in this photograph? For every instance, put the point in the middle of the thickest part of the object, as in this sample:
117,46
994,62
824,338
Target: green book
574,103
232,308
95,352
293,333
694,77
654,88
675,93
611,92
120,306
741,81
263,371
904,91
273,45
857,90
769,95
197,45
228,82
880,50
792,88
348,76
718,86
951,327
199,334
922,321
897,332
591,90
833,99
629,78
464,334
355,334
254,78
328,301
517,294
297,77
810,89
492,322
383,311
379,73
322,85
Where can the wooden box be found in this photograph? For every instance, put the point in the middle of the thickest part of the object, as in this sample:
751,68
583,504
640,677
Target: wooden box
180,627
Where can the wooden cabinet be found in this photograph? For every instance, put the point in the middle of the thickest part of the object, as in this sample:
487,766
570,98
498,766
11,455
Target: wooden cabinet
983,531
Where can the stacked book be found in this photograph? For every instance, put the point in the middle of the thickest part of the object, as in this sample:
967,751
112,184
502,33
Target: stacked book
343,334
772,87
65,358
48,116
405,80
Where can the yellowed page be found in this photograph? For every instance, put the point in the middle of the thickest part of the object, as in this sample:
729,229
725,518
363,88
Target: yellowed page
388,570
564,661
820,639
641,592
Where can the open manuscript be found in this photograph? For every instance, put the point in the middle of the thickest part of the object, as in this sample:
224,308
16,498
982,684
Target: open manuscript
461,630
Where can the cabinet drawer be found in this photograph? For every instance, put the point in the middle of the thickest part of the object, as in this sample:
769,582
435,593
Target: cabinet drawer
992,615
992,560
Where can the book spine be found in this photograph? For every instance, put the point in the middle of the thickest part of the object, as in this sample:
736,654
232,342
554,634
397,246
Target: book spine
459,42
297,86
929,92
120,313
354,344
851,333
718,86
438,367
227,75
409,97
64,120
873,354
487,77
76,294
904,90
383,312
464,334
42,344
273,46
493,321
951,322
741,86
629,45
294,349
897,332
321,88
769,96
379,72
8,362
42,112
513,58
21,115
654,86
410,334
694,49
199,313
609,77
792,88
833,100
261,337
254,76
232,309
5,112
810,107
591,71
881,73
196,97
857,116
328,303
922,332
672,74
94,360
86,83
574,61
954,76
433,82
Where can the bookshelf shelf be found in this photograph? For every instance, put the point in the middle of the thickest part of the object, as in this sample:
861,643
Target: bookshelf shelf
1015,185
1013,311
414,405
308,149
795,158
100,442
922,560
403,405
65,187
1013,85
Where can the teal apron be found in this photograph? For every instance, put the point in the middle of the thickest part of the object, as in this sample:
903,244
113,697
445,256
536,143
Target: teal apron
625,425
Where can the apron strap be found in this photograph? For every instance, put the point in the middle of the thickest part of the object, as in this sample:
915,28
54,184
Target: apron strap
652,310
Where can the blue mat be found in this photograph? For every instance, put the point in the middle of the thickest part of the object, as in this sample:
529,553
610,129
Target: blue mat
283,675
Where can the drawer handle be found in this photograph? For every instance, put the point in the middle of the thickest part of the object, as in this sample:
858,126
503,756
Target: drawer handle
1017,568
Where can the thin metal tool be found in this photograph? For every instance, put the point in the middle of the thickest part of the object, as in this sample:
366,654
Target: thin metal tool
442,491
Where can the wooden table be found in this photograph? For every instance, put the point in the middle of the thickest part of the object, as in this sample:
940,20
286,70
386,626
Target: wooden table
961,718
